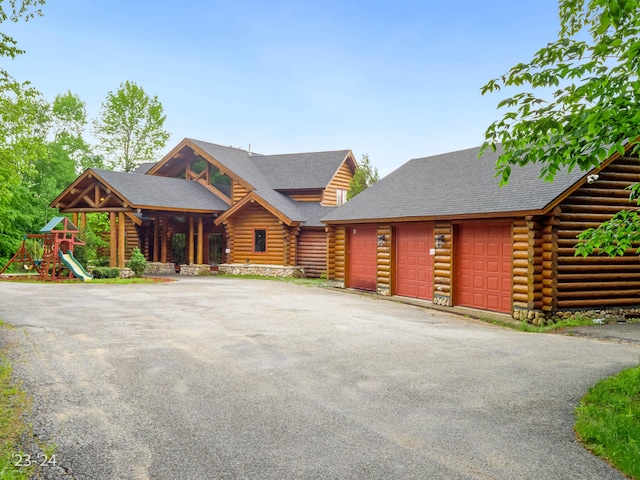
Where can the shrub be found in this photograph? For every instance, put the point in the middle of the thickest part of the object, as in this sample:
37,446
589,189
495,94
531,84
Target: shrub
137,263
106,272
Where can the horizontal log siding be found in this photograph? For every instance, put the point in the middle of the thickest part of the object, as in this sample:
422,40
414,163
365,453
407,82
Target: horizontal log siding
340,254
306,197
383,259
341,179
312,251
550,263
241,229
596,281
331,252
443,282
238,192
131,239
527,268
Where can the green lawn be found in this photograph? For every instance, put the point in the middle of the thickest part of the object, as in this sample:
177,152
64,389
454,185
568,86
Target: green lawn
608,421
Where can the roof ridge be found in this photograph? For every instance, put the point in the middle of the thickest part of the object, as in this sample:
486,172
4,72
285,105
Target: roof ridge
304,153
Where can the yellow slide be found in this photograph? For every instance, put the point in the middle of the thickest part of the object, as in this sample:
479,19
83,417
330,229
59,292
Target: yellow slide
72,264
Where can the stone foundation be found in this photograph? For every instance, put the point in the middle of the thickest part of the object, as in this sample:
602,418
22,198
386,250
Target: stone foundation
261,270
538,318
384,291
442,300
158,268
193,269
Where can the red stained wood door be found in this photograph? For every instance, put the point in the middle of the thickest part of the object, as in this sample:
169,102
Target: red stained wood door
362,257
484,266
414,262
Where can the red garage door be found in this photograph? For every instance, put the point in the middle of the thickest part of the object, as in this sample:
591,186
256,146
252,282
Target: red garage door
483,272
363,248
414,263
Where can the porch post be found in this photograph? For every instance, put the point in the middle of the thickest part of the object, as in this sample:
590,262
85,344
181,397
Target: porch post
200,241
190,242
83,220
113,239
156,238
163,240
121,240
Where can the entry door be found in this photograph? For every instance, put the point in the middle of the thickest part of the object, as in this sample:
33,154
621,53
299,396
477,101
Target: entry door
414,262
483,266
363,257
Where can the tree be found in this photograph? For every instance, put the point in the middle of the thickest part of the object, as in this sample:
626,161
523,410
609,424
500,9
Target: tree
130,127
584,108
14,11
364,176
24,118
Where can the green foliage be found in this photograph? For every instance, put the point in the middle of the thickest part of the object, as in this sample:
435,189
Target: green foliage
130,127
106,272
14,10
578,99
137,263
92,235
364,176
608,421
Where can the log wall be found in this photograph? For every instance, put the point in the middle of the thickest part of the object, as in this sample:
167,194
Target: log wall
312,251
339,253
241,227
331,251
341,179
306,197
443,266
597,281
238,192
384,256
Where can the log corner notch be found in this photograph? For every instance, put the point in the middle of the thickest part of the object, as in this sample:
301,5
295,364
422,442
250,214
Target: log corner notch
533,267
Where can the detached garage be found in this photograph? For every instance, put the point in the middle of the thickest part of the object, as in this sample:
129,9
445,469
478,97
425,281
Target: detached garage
441,229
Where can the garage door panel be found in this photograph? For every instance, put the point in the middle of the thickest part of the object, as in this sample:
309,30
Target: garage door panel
483,266
413,270
363,257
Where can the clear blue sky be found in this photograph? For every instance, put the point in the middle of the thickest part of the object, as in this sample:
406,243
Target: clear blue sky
397,80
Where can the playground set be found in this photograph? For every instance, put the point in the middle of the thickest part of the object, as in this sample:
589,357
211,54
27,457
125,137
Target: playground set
59,237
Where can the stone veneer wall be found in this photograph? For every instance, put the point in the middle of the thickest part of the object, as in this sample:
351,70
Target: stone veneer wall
194,269
260,270
158,268
539,318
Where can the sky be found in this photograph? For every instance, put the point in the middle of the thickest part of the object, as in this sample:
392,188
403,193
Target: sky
394,80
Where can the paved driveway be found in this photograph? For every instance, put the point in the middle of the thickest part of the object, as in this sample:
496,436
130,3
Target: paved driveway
225,378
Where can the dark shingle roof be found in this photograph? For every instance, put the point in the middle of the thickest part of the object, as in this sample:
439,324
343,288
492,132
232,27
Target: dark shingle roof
162,192
300,170
144,168
450,184
269,173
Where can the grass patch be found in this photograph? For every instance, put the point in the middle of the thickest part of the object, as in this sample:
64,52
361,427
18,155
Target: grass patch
13,403
608,421
571,322
116,281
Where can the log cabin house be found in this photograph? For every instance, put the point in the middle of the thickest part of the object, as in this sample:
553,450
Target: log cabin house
207,205
442,229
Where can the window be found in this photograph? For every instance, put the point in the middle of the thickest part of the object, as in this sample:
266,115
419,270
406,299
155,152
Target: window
341,196
259,240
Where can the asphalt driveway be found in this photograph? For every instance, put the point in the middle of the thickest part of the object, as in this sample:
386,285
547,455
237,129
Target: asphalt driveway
226,378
